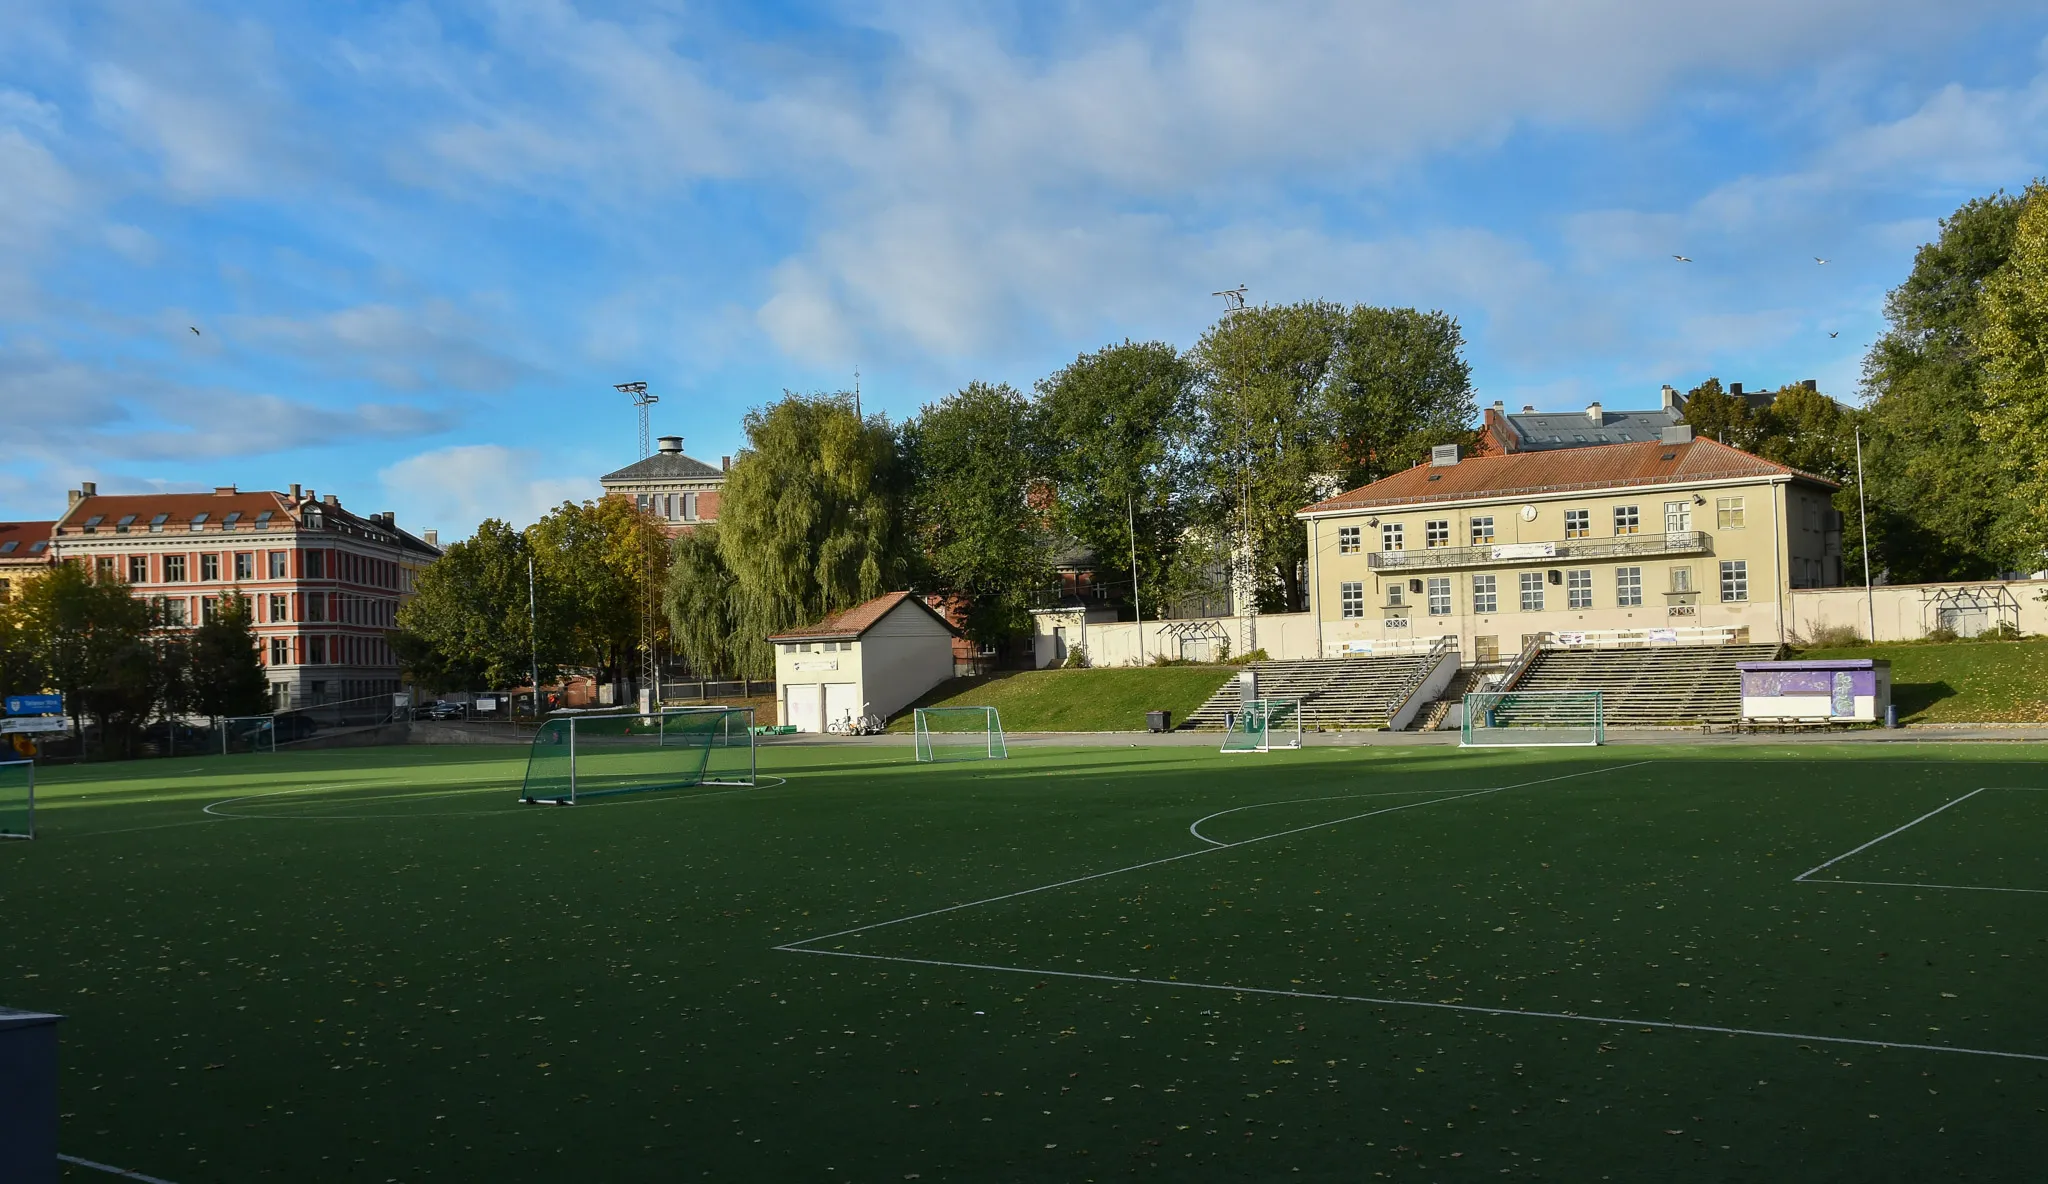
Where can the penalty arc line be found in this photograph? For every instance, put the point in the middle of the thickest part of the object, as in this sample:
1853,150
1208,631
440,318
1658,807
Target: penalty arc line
1471,1008
953,908
1888,834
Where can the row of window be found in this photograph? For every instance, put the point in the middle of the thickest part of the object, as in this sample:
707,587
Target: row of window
276,609
1729,514
675,507
1530,585
199,522
823,647
207,568
343,650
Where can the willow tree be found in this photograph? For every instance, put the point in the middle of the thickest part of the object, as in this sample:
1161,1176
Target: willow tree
811,519
2013,342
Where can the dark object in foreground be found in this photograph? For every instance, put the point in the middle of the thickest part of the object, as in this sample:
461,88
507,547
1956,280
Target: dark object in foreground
1158,721
28,1096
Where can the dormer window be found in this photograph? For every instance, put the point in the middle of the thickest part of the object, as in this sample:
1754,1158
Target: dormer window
199,521
156,524
7,548
228,523
121,527
92,524
263,520
36,548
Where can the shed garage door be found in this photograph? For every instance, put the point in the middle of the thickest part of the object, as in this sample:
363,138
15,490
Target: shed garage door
803,707
842,701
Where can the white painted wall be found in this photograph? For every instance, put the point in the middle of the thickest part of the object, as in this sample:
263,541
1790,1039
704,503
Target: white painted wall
902,656
1903,611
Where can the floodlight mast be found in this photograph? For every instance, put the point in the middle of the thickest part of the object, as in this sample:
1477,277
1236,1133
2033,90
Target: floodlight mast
641,400
1246,566
650,668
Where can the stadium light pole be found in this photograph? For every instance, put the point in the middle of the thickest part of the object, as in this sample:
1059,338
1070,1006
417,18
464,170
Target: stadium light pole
1863,524
533,639
1248,609
1137,604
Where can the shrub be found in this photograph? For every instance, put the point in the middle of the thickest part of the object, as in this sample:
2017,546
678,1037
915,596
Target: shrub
2003,631
1834,636
1941,634
1257,655
1077,659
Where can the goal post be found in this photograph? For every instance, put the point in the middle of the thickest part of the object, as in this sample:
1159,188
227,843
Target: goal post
577,757
17,799
959,734
1533,719
1264,725
248,733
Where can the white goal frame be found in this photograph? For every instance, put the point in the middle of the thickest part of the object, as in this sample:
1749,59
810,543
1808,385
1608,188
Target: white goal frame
1264,725
1480,727
994,746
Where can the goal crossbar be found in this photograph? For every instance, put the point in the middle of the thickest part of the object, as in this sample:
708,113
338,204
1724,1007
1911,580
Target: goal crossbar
959,734
1533,719
1264,725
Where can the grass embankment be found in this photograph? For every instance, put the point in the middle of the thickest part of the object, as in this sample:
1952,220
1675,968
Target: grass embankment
1962,681
1111,700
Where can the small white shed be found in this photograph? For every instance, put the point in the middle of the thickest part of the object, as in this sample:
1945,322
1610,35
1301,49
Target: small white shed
872,659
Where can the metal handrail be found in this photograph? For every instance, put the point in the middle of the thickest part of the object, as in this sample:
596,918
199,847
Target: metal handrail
1677,542
1442,649
1521,664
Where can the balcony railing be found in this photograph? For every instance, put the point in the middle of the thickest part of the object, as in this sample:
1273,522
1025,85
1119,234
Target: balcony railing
1681,542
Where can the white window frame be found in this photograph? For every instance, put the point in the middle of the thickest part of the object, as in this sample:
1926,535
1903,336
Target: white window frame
1351,598
1578,524
1677,517
1436,532
1439,596
1627,520
1348,540
1734,581
1482,530
1531,584
1486,596
1628,587
1730,513
1393,537
1578,587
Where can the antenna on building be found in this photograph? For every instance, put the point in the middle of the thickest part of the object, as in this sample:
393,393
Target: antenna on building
1233,298
641,400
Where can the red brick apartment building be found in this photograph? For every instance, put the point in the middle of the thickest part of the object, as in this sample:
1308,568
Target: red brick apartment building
324,583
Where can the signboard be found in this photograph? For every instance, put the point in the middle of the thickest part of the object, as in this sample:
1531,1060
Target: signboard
1525,550
815,664
486,703
35,704
1571,639
1665,636
35,723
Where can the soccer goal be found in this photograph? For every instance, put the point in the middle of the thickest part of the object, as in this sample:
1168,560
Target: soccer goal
1264,725
17,800
959,734
248,733
583,756
1539,719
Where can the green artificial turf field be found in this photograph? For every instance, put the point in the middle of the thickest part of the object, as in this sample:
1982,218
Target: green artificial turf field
1081,963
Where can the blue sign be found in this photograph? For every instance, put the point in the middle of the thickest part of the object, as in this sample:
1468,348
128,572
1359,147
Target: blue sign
35,704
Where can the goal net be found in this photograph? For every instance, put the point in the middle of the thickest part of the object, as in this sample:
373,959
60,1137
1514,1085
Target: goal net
577,757
1521,719
17,800
1264,725
959,734
248,733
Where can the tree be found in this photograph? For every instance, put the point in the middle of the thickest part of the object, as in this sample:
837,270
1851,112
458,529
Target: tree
1714,414
1809,431
1117,427
811,520
2012,339
970,459
1937,492
466,626
698,601
226,673
602,565
86,631
1399,386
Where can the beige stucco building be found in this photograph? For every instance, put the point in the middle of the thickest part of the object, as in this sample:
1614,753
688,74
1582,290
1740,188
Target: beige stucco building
873,659
1672,533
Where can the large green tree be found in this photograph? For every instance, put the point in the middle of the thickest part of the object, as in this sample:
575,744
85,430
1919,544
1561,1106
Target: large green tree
226,672
1940,496
1399,386
94,642
972,459
603,564
2012,340
1118,430
465,627
811,520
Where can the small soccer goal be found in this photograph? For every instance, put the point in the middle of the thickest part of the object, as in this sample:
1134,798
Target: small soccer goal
584,756
17,800
248,733
1264,725
1533,719
959,734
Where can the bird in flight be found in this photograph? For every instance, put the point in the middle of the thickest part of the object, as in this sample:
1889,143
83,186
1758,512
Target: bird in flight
1681,259
1836,333
195,330
1818,259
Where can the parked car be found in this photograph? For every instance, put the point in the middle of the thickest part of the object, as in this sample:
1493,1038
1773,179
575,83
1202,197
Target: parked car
294,726
438,710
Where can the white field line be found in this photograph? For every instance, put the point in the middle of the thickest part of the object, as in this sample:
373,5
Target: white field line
1470,1008
1888,834
1950,887
1194,828
951,908
124,1173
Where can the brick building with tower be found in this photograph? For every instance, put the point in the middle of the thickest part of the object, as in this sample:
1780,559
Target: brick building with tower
681,491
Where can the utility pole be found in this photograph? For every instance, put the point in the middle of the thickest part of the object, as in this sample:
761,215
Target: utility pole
1137,604
533,639
650,670
1863,523
1246,566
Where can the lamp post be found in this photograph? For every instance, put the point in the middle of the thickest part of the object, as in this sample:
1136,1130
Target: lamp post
1863,524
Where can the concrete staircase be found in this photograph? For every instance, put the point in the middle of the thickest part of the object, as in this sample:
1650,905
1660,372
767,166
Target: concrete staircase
1334,693
1432,717
1665,684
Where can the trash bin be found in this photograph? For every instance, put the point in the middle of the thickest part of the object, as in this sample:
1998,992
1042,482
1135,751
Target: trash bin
1156,721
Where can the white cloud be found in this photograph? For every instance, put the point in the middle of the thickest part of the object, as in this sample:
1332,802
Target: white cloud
452,489
432,344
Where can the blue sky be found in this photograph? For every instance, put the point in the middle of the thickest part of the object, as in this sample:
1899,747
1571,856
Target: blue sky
421,241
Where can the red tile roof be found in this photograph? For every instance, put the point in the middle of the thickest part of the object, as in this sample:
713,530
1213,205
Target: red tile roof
24,536
1599,467
848,624
110,508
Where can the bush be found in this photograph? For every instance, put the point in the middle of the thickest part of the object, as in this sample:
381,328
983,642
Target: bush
1941,635
1257,655
1832,637
2003,631
1077,659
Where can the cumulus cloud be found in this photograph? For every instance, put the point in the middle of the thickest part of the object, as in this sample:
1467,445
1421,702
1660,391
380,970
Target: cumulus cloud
452,489
432,344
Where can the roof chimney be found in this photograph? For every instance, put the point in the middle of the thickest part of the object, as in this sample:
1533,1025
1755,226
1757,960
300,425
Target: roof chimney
310,495
1443,454
724,463
668,444
1528,409
295,493
1499,406
1670,397
1812,384
223,491
1679,433
432,538
388,517
1594,413
1735,388
88,488
333,501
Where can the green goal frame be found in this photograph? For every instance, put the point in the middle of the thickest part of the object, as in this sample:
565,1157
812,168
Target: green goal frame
585,756
1533,719
17,799
959,734
248,733
1264,725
